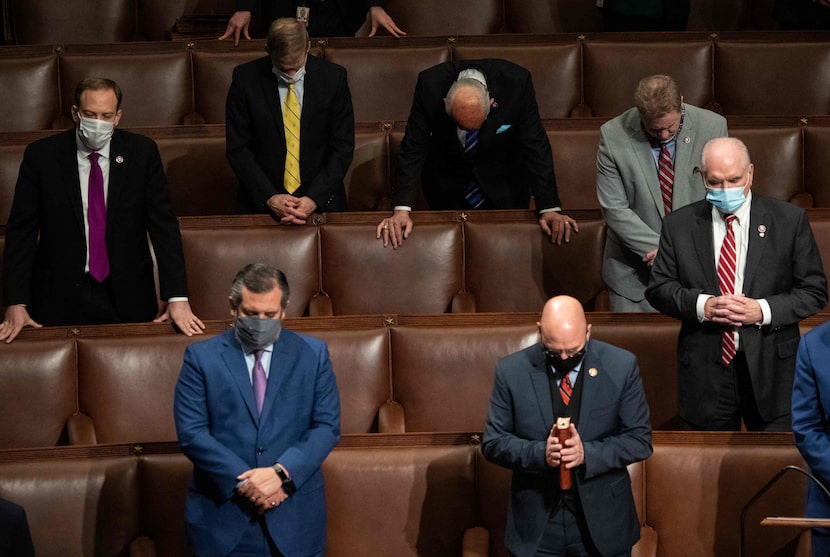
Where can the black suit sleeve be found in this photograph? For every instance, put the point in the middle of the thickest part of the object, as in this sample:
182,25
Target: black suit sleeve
414,146
163,228
536,151
239,134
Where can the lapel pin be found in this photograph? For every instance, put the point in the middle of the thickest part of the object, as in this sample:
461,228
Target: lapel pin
119,159
762,230
687,139
593,372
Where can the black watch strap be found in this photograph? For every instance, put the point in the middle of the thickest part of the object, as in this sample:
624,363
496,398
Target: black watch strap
287,483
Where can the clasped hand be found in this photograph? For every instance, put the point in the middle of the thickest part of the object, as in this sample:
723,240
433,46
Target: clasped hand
263,488
290,209
733,310
572,454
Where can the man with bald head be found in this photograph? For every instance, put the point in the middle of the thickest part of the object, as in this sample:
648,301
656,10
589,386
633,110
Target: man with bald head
740,271
596,385
474,140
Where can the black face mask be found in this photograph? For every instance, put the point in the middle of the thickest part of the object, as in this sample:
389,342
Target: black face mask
566,365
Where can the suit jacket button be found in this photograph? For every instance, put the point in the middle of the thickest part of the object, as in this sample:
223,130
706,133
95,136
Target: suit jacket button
260,450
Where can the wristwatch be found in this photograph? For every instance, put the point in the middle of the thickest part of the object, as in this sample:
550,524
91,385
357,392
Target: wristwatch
287,483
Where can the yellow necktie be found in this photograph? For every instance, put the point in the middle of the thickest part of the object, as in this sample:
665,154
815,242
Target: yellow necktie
291,120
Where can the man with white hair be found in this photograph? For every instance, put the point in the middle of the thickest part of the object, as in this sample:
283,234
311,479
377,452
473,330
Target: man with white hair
475,140
740,271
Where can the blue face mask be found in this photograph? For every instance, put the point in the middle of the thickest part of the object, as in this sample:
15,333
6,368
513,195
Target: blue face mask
726,200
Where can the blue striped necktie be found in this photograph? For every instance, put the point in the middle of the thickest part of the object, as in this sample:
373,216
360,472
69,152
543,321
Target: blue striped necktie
472,193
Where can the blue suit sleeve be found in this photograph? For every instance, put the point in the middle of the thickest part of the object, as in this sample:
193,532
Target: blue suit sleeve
809,418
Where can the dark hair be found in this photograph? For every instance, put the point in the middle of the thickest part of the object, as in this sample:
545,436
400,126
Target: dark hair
96,84
259,278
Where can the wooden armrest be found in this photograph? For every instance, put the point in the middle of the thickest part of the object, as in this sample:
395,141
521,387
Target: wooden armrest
476,542
391,418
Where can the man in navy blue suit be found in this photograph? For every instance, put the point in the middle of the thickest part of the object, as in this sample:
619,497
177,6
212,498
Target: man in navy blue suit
257,411
811,406
604,399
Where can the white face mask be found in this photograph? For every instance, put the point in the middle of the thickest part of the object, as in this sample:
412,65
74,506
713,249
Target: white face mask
94,133
298,75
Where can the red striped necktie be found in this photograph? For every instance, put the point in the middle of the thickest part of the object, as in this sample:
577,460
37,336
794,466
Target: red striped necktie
727,266
665,172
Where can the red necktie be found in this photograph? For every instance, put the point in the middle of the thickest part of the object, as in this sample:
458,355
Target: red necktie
259,381
727,265
665,172
566,389
96,214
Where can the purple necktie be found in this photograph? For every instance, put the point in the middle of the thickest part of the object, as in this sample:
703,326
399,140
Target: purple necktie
99,265
260,381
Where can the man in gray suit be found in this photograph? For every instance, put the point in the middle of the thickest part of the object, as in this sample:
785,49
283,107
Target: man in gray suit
645,169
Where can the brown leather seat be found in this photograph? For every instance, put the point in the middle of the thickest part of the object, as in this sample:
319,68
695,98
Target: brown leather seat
164,482
612,70
362,277
200,179
776,155
382,80
443,376
817,164
574,161
820,225
528,269
76,506
555,69
126,386
38,392
367,180
212,76
773,78
402,501
360,359
157,86
654,342
30,96
213,257
45,21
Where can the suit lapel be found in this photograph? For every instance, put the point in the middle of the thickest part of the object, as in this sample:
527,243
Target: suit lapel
234,360
641,145
757,244
117,178
541,386
702,239
271,95
682,193
282,360
68,154
590,382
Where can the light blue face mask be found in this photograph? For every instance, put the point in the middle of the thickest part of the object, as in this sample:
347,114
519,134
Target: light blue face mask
726,200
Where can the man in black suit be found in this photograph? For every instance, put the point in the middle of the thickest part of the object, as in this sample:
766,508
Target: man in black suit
15,539
740,271
259,119
76,241
324,18
598,387
475,140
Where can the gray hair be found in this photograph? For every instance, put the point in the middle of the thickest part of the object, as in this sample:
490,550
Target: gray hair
737,143
462,83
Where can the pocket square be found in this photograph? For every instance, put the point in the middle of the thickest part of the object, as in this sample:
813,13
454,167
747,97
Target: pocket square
503,128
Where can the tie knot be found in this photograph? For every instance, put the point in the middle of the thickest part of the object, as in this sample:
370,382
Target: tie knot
290,86
730,218
94,156
258,354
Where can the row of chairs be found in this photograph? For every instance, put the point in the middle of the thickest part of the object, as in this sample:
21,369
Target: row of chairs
171,84
409,495
789,156
486,261
396,373
45,21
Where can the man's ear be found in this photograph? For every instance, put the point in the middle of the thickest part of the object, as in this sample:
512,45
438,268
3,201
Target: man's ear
233,307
